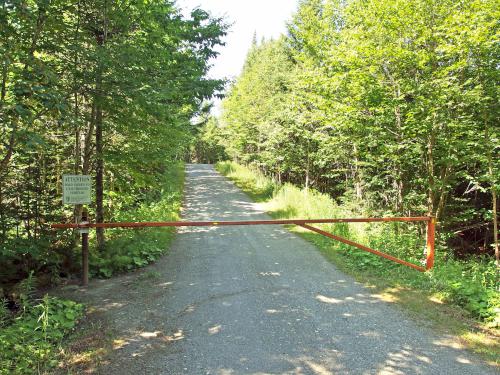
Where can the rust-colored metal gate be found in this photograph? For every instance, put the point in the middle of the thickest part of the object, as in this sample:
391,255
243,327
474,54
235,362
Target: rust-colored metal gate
304,223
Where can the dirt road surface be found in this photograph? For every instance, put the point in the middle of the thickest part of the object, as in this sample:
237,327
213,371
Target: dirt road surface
257,300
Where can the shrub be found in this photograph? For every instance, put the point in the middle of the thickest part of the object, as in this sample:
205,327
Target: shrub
128,249
30,344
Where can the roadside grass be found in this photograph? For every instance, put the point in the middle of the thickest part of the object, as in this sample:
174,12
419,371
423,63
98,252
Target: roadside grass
456,297
31,339
256,185
87,347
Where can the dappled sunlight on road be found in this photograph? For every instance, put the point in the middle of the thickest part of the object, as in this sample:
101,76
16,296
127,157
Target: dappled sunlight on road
449,342
214,330
140,343
397,363
329,300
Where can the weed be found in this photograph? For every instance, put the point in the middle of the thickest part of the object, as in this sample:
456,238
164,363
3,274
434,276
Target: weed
30,344
130,249
26,289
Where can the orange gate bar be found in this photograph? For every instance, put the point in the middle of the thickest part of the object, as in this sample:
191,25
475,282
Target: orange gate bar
232,222
431,221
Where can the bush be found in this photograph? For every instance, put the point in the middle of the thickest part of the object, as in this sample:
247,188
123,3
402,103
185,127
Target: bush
20,256
30,343
128,249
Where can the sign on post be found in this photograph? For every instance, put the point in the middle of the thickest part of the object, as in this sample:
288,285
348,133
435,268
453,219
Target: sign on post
76,189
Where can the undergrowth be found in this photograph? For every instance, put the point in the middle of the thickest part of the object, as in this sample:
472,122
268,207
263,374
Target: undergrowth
127,249
31,334
469,284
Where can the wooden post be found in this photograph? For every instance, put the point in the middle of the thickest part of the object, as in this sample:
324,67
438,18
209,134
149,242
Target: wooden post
431,230
85,249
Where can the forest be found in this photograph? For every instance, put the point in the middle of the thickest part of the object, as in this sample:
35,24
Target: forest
364,108
101,88
394,108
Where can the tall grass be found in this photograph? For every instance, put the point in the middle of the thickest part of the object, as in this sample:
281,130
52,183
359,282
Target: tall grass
469,284
251,180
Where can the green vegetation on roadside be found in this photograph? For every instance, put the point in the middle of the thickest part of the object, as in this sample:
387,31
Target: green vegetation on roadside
128,249
470,286
31,336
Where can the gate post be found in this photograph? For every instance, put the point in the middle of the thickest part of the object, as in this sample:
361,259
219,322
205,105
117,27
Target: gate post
431,230
85,249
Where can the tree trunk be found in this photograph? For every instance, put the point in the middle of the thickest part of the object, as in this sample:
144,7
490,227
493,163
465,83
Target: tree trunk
99,177
3,90
494,200
306,184
495,227
357,175
78,141
2,218
430,173
101,38
399,178
4,163
78,153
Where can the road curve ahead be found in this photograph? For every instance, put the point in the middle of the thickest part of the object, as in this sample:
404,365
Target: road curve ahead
260,300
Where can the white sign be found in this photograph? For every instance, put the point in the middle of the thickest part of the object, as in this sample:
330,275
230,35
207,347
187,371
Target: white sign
76,189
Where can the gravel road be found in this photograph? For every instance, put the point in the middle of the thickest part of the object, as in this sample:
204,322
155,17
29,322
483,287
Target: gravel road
258,300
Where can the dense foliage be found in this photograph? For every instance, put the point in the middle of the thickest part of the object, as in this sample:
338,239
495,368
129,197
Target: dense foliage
95,87
391,106
31,336
129,249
